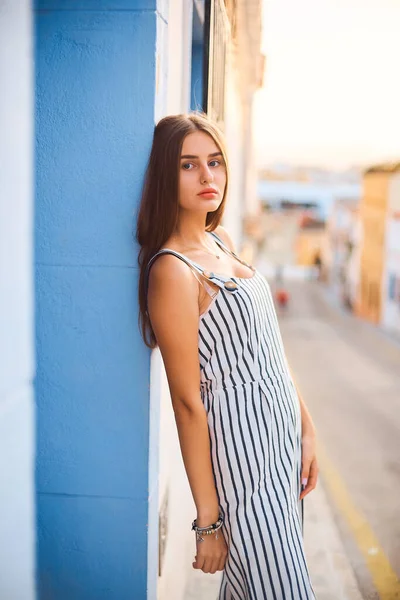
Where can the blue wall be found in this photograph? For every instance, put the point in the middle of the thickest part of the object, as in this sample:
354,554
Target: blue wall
95,79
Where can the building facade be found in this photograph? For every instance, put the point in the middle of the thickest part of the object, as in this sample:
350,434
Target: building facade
374,210
101,507
391,275
100,86
309,241
220,70
342,252
113,503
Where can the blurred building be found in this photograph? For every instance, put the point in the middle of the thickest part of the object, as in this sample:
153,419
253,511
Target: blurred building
280,230
242,77
293,237
341,252
379,272
391,274
110,479
309,241
314,192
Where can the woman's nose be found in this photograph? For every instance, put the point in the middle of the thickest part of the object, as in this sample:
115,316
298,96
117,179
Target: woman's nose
206,174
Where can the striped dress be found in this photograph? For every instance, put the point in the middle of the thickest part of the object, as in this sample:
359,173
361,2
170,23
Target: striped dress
254,424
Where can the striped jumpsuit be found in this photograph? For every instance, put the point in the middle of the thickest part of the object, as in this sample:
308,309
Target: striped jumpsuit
254,425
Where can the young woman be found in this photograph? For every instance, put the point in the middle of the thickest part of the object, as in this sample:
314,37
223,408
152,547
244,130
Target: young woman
247,439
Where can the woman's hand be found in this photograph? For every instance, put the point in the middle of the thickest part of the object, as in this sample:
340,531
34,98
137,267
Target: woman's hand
309,465
211,554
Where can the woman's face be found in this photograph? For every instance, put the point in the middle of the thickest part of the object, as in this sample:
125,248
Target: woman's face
201,167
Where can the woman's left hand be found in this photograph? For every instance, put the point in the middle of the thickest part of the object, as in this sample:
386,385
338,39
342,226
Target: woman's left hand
309,465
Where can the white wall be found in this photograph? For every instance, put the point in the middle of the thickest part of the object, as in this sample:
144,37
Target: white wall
180,547
175,76
235,206
179,56
173,485
354,265
391,307
16,313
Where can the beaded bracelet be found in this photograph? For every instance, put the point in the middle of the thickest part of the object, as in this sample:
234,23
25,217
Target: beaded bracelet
210,530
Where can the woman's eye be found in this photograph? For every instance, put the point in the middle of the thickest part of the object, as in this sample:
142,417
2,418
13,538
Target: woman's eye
186,166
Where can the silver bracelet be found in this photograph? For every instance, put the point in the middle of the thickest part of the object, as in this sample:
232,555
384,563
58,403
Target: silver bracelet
210,530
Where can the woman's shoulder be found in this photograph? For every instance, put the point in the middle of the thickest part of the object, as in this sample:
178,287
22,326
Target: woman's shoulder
170,275
172,291
167,266
225,237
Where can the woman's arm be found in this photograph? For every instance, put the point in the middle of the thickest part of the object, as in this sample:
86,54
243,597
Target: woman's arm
309,463
174,313
307,424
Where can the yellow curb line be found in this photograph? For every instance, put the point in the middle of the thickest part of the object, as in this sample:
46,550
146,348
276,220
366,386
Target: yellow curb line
385,579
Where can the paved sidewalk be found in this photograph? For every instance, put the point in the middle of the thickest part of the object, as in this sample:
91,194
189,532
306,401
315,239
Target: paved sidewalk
331,574
203,586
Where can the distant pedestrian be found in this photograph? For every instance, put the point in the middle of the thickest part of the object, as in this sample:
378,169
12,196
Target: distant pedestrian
247,439
282,297
318,265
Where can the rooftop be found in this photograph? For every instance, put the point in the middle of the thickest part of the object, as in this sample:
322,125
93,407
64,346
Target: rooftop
390,167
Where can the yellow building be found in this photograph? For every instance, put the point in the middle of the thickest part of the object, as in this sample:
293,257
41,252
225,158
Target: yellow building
373,214
309,241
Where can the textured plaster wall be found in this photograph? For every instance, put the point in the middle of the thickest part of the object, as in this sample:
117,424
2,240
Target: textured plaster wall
95,90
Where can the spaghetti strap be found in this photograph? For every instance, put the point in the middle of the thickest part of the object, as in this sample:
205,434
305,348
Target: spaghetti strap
196,268
185,259
226,283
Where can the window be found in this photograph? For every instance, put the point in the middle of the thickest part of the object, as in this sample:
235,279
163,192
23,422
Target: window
216,27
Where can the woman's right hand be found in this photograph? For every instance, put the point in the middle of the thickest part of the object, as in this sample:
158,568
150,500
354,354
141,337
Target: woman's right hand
211,553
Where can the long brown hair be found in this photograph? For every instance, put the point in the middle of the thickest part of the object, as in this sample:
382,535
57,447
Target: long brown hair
159,207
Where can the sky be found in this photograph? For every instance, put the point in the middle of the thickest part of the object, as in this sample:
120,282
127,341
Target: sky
331,94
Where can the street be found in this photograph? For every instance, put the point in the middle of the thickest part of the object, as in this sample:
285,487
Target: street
349,376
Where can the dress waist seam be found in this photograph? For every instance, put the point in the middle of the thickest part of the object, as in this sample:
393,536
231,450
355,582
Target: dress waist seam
210,386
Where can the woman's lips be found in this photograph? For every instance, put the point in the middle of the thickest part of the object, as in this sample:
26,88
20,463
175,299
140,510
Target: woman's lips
208,194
